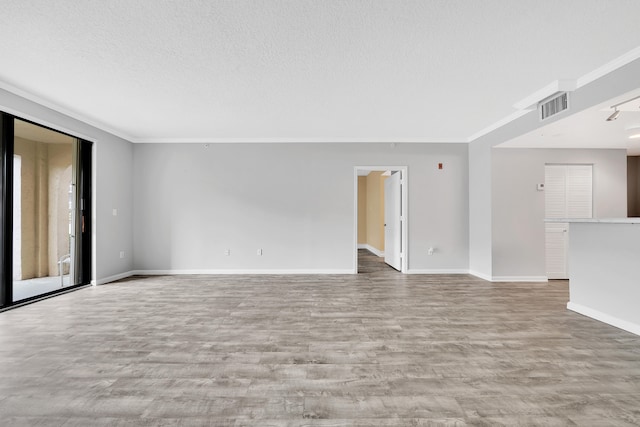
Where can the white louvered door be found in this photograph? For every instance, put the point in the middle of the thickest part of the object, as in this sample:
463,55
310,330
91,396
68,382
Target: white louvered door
568,194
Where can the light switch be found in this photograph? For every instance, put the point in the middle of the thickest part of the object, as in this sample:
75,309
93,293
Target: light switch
115,212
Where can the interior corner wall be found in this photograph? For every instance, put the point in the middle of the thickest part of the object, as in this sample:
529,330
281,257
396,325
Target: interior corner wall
633,186
112,157
294,201
518,208
114,208
362,210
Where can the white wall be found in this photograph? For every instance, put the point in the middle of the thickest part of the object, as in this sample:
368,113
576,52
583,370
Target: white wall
294,201
518,232
112,184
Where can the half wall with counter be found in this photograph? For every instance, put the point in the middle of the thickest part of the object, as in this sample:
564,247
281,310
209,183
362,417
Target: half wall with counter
604,270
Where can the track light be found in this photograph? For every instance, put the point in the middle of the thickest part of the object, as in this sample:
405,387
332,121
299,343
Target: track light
613,116
616,113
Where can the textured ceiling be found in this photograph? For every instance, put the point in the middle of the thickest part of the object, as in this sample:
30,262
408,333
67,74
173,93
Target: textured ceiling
322,70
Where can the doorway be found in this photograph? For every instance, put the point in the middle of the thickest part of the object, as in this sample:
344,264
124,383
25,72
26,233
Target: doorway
568,194
381,215
46,177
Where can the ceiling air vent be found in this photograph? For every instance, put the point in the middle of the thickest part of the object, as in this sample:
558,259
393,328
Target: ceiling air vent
552,106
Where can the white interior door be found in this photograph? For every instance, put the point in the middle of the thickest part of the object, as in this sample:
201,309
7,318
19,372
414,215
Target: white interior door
393,221
568,194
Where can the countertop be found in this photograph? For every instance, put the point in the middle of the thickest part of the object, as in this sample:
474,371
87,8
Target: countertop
597,220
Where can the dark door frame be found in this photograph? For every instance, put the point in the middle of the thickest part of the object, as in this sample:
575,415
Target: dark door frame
83,212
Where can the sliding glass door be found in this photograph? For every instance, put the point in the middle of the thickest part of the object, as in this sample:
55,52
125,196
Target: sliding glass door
46,190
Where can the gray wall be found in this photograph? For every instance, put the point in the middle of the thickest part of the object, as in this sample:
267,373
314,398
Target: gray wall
112,184
480,210
518,232
294,201
612,262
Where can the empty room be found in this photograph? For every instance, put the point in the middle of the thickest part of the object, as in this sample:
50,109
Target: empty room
319,213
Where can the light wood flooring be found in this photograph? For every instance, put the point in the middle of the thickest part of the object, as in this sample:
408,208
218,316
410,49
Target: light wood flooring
376,349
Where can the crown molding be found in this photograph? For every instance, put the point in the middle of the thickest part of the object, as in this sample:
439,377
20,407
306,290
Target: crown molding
60,110
609,67
301,140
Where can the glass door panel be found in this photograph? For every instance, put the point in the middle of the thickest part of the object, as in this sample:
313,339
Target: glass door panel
43,210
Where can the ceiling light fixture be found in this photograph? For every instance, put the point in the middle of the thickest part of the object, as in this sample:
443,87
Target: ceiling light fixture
613,116
636,136
616,113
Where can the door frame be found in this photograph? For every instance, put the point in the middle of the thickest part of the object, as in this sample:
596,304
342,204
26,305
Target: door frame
404,250
7,117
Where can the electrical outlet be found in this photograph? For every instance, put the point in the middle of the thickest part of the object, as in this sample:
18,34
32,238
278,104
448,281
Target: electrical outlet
260,252
227,252
114,212
121,254
431,251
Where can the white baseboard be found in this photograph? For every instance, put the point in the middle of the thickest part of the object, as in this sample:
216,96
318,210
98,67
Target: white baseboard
241,271
537,279
625,325
480,275
437,271
307,271
371,249
112,278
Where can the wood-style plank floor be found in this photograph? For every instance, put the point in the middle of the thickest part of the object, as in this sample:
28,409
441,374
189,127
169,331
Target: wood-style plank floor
376,349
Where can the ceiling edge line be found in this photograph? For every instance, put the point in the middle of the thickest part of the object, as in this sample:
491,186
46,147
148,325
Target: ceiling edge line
301,140
60,110
599,72
500,123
